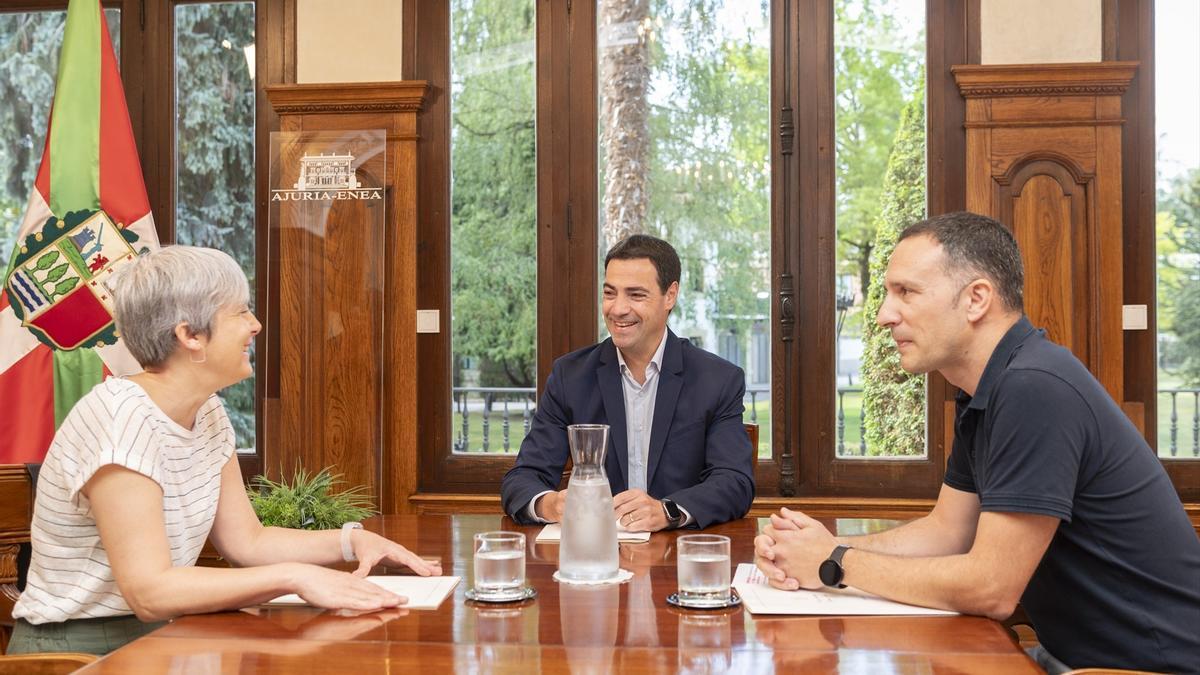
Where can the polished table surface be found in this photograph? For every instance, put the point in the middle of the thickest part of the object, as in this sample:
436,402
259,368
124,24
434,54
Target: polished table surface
577,629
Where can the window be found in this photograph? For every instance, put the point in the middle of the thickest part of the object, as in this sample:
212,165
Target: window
493,232
755,137
214,152
197,144
1165,250
1177,227
683,113
879,69
1161,154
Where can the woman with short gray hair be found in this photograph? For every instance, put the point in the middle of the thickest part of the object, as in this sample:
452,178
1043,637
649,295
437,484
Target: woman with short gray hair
143,470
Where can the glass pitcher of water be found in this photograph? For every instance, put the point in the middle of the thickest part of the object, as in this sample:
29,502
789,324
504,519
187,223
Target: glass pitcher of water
588,548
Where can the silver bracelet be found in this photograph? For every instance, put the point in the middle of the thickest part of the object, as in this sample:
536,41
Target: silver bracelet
347,549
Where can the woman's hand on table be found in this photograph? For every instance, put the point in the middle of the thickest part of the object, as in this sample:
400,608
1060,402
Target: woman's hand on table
334,589
371,549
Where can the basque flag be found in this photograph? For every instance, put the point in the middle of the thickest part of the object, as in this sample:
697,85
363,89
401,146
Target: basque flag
88,214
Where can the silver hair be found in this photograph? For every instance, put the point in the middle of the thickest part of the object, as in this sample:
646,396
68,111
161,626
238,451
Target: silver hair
175,284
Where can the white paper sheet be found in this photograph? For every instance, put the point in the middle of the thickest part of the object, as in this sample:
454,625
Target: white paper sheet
760,598
552,534
422,592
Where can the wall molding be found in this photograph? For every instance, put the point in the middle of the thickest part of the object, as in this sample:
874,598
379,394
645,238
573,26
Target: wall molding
1106,78
353,97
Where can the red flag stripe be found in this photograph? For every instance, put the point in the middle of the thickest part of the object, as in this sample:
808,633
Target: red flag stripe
27,398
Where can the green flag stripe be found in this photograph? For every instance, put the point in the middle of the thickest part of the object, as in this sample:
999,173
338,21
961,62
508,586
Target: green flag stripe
75,373
75,121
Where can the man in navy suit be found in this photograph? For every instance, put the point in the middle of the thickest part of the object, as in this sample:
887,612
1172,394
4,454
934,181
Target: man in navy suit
678,453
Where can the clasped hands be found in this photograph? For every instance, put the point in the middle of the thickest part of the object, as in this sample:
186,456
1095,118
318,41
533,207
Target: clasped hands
633,509
790,550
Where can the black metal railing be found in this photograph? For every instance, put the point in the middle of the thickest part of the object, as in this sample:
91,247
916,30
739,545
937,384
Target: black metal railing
484,401
1189,397
478,411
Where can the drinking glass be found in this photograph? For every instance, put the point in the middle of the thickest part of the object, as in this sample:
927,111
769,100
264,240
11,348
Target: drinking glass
499,564
703,570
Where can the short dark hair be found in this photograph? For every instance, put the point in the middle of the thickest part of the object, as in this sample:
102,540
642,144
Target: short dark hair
661,254
976,246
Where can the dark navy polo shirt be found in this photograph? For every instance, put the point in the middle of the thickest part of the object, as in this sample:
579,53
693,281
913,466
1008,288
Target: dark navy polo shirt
1119,585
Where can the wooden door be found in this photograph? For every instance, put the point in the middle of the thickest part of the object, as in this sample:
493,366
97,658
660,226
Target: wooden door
1044,158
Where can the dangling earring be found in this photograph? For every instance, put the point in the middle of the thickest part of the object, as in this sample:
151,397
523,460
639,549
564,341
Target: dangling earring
203,356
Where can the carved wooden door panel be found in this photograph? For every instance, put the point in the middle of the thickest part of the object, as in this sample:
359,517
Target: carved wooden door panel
1044,158
1047,205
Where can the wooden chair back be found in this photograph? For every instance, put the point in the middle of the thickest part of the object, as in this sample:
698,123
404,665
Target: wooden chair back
16,512
752,432
44,664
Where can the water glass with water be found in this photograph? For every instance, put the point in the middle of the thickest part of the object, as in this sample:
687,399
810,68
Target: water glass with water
499,564
703,570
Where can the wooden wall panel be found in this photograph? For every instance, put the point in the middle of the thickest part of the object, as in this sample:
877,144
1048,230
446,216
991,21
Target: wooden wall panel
1047,205
348,300
1041,219
330,327
1044,158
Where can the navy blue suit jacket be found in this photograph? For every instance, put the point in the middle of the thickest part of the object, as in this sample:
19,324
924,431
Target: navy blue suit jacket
700,455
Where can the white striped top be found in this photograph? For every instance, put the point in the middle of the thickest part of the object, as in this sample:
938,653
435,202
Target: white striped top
117,423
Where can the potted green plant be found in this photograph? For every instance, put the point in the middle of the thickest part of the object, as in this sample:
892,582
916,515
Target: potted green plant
308,502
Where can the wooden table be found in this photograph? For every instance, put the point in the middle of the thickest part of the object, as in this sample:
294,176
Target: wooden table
625,628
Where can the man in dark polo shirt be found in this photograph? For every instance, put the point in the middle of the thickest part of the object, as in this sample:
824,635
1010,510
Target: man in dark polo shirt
1051,496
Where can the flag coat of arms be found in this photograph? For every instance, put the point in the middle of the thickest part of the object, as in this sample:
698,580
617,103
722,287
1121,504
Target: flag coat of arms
88,215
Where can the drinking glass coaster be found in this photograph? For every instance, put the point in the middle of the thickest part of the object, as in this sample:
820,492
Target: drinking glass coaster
735,600
622,576
524,593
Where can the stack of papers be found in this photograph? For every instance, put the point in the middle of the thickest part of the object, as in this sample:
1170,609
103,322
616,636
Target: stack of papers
552,533
760,598
422,592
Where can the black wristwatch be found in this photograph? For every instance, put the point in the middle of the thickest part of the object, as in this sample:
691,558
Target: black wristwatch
674,513
831,571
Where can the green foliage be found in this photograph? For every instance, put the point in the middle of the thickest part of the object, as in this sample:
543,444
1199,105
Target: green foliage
493,197
307,503
215,148
893,400
1178,228
709,179
872,83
